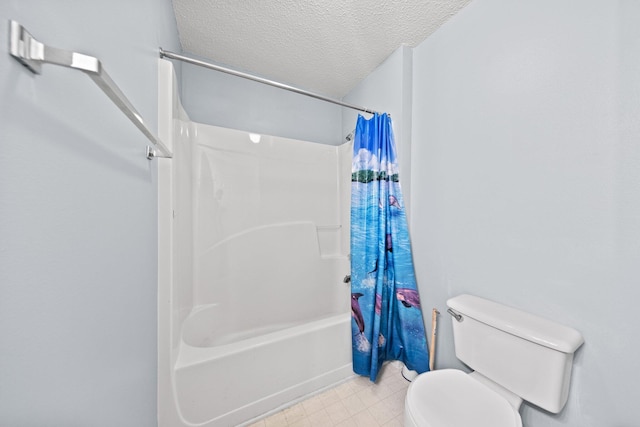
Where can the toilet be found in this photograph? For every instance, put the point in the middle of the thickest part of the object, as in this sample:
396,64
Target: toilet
514,356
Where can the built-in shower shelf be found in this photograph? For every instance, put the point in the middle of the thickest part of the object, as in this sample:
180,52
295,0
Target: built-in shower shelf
329,241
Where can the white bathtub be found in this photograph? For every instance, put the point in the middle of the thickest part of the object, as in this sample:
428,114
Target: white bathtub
273,337
253,241
231,383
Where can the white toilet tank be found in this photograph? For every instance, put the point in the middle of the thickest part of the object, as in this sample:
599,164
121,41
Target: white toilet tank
526,354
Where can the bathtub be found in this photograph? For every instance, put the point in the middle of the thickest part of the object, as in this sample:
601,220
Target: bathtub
233,382
253,314
273,337
268,318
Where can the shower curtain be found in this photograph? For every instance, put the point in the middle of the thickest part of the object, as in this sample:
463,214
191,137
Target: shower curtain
385,306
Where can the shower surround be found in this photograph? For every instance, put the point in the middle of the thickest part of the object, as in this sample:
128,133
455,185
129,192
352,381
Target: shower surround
253,243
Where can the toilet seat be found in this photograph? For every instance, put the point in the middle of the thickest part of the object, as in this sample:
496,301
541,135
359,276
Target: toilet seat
451,398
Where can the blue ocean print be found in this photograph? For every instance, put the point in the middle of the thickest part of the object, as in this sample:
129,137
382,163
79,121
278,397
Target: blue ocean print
387,322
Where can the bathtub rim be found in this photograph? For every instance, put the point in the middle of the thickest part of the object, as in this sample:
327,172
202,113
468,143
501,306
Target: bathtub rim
189,356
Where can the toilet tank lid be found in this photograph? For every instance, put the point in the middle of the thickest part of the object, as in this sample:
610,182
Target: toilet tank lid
519,323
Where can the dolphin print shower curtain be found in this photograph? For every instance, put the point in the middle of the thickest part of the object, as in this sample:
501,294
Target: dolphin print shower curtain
387,320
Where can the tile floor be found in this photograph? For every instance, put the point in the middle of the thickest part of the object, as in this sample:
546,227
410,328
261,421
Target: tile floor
355,403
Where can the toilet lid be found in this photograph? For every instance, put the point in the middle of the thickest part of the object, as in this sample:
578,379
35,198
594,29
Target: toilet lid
451,398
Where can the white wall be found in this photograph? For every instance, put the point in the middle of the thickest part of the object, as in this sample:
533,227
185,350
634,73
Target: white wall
526,181
78,220
214,98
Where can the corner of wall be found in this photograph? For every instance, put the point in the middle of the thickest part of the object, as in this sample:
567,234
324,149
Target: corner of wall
407,120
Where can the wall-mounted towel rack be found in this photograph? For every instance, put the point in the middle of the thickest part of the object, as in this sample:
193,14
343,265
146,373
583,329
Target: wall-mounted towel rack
32,54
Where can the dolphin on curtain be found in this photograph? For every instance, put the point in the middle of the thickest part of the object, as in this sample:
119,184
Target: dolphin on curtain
387,319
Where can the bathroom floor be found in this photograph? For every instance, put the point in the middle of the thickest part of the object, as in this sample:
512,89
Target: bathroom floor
357,402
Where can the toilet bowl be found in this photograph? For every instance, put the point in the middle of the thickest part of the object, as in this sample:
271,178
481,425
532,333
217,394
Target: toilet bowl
452,398
515,356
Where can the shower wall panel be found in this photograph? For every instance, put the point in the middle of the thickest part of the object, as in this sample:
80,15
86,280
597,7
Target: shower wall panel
267,226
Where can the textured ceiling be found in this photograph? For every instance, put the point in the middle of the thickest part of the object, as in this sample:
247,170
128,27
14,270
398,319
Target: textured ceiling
326,46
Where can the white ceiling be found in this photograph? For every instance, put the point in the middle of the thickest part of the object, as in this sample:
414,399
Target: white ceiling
325,46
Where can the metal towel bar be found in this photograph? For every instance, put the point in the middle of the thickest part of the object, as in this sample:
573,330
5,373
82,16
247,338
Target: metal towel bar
32,54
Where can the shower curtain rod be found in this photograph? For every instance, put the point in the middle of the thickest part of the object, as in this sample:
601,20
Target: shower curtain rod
32,54
172,55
